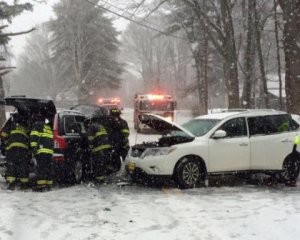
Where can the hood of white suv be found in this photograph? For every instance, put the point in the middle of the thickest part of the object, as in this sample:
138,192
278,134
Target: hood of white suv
162,125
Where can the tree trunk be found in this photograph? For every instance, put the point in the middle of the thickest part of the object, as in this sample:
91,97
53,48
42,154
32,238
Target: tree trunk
247,87
2,108
291,9
230,56
278,55
261,59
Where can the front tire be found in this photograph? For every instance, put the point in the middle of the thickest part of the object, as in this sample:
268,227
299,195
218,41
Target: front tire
188,173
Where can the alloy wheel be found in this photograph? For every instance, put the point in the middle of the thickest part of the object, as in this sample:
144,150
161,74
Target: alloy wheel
190,173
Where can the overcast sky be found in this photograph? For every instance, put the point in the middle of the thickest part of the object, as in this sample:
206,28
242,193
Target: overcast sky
41,13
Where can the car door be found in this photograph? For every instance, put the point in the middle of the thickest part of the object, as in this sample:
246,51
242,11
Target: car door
271,140
232,152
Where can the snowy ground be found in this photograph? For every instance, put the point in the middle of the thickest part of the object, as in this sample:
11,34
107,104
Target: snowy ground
135,212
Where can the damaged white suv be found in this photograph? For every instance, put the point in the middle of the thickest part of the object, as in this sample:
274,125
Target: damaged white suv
248,141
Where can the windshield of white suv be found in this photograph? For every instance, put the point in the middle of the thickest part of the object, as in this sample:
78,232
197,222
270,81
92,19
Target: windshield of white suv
199,127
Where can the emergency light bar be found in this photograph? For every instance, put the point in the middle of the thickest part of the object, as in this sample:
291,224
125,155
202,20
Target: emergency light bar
155,97
109,100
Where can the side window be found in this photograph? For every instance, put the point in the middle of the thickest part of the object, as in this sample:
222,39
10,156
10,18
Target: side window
261,125
80,123
72,126
272,124
235,127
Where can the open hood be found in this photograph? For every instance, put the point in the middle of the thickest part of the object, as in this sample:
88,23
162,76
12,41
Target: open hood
161,125
28,106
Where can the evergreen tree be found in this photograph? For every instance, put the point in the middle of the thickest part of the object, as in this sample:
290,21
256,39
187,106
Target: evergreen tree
7,13
85,48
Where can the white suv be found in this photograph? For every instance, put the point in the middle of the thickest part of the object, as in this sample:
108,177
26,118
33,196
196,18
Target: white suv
249,141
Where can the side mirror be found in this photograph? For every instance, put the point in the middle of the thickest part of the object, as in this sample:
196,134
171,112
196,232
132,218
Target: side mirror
219,134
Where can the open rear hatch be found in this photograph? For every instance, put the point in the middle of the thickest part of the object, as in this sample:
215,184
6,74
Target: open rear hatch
28,106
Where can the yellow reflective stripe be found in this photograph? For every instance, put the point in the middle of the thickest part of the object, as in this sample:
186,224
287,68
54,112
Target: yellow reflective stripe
41,182
24,180
22,145
49,182
125,130
10,179
102,147
101,178
100,133
19,132
48,135
296,141
91,138
33,144
45,150
4,134
34,133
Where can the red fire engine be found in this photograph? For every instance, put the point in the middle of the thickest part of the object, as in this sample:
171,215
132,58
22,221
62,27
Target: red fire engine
159,104
109,103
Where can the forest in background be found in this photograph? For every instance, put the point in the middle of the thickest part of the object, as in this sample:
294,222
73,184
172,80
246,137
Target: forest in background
207,53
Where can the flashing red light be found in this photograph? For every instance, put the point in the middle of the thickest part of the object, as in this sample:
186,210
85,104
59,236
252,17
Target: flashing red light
155,97
115,100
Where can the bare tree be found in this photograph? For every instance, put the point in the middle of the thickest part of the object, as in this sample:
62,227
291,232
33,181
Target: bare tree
291,38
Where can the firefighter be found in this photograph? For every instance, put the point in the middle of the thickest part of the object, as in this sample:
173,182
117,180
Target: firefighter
41,143
100,147
120,134
15,145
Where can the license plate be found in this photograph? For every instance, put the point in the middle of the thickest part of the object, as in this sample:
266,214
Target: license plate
131,166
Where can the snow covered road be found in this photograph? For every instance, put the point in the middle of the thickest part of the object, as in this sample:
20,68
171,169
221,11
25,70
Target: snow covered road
134,212
87,212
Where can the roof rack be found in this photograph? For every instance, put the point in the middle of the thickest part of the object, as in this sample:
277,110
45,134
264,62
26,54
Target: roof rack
223,110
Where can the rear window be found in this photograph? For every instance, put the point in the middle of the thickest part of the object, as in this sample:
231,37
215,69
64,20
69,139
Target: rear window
73,125
89,110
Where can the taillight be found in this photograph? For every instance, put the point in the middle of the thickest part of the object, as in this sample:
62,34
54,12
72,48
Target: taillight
59,141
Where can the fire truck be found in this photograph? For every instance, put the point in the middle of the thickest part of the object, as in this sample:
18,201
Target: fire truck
109,103
159,104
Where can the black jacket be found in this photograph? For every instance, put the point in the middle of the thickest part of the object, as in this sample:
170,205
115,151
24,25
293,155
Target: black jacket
41,138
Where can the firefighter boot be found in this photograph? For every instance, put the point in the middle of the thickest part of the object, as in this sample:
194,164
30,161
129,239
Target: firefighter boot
291,183
12,186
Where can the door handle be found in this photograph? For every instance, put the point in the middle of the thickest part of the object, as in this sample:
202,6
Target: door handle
243,144
286,141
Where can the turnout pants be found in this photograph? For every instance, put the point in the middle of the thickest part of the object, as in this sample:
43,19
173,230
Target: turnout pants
17,165
44,171
100,161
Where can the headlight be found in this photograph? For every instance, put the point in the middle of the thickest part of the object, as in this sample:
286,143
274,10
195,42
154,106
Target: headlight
157,151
